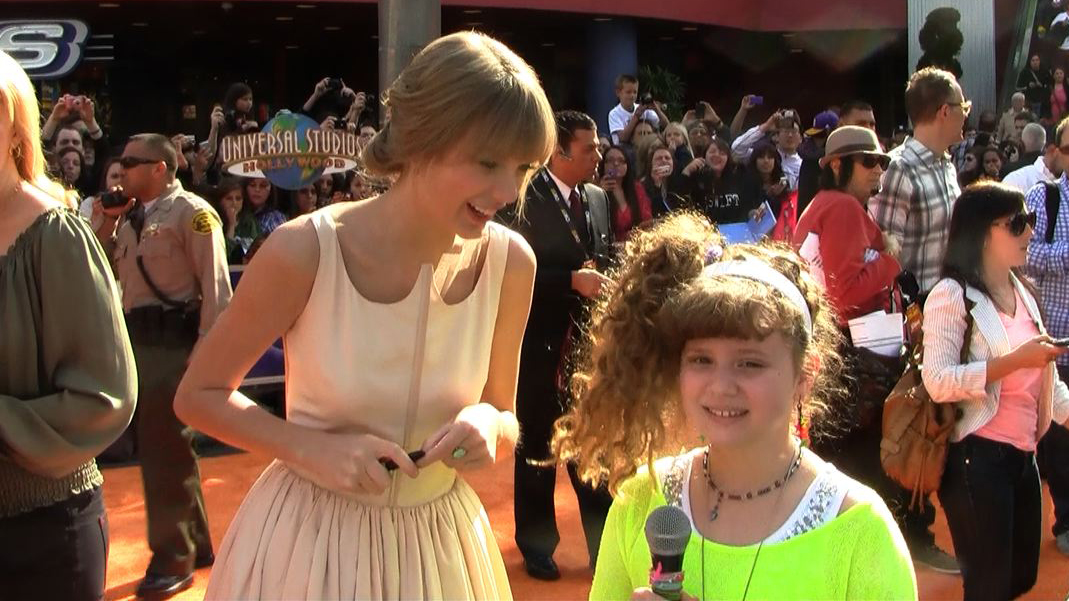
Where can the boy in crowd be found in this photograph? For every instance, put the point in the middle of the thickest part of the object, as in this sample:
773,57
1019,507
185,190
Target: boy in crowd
625,116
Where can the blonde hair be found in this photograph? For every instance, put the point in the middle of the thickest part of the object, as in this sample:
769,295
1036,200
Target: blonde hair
19,100
627,409
463,88
678,127
643,154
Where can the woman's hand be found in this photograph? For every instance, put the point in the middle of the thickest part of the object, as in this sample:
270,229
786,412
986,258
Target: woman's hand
891,245
695,165
351,462
774,190
1036,353
327,123
469,442
218,118
609,184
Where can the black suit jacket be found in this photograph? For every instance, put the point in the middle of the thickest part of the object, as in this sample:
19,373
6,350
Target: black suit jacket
555,305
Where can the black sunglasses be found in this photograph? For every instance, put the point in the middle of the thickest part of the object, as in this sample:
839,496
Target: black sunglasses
131,162
869,161
1017,222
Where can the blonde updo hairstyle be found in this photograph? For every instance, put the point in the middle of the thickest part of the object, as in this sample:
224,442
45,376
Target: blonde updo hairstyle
627,409
464,88
19,100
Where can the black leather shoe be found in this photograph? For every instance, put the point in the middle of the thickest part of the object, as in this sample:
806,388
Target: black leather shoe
205,560
541,567
156,586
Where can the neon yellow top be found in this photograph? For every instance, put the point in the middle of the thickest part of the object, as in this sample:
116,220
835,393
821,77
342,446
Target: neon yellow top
859,554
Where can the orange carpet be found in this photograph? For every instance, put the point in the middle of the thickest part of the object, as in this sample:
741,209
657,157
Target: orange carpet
227,478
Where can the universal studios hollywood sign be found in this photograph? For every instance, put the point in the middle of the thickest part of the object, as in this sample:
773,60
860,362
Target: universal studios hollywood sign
290,151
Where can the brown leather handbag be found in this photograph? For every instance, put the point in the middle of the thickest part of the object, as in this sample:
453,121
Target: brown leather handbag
916,429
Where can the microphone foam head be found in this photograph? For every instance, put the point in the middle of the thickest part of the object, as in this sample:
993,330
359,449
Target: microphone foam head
668,530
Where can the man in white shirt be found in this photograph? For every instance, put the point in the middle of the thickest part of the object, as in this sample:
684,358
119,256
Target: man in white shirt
625,116
1044,169
786,131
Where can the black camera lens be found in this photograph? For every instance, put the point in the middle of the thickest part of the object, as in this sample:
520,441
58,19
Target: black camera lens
114,198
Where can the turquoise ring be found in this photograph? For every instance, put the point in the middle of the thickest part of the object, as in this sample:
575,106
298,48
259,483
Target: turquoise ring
459,453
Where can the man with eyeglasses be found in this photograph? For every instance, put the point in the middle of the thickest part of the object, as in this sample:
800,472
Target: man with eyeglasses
916,197
169,255
1048,264
785,129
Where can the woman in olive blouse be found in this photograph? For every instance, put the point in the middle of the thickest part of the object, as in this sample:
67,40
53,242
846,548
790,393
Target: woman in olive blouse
67,379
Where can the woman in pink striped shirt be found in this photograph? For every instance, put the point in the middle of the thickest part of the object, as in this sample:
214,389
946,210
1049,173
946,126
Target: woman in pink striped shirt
1006,391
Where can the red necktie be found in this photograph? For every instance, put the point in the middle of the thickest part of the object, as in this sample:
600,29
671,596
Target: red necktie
579,217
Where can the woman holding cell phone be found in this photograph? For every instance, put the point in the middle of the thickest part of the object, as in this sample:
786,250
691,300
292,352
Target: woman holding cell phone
631,206
1006,390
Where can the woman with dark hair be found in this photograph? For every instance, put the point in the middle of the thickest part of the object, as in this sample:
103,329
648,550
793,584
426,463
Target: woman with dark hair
631,207
664,183
1035,83
73,172
110,177
237,109
1006,391
240,228
262,201
716,183
1058,95
233,116
765,180
303,201
979,163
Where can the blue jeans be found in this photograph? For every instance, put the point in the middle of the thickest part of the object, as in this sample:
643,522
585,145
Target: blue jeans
56,552
991,494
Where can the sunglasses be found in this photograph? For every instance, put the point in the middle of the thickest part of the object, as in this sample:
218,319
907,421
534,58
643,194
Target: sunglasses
1017,223
131,162
869,161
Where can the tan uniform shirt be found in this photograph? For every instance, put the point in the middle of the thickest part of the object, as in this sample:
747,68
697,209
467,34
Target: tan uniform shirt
184,253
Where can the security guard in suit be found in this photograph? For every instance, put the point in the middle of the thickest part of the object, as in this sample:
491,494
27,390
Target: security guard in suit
567,223
170,259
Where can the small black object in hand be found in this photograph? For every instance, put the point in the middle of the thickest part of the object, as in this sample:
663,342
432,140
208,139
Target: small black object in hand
114,198
390,465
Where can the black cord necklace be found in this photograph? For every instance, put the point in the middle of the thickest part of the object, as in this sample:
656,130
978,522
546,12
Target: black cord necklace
749,495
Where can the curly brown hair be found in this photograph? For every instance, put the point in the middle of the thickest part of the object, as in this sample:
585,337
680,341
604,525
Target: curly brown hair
627,408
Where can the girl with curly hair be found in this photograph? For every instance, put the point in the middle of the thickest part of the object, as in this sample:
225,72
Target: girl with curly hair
733,347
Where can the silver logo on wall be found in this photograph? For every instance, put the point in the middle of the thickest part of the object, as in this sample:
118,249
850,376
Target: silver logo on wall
45,49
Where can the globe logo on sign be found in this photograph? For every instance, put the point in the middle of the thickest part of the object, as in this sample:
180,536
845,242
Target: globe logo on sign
291,152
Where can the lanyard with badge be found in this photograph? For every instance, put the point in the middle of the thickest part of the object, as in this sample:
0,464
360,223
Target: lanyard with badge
565,210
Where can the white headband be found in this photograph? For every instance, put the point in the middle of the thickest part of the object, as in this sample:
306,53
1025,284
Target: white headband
761,272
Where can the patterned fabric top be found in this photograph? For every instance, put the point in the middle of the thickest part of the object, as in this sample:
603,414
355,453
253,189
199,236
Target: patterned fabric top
1049,263
917,195
818,506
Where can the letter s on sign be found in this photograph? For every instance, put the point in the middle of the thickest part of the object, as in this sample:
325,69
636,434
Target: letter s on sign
45,49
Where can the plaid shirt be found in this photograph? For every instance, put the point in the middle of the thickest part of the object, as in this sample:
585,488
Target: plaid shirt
1048,264
916,197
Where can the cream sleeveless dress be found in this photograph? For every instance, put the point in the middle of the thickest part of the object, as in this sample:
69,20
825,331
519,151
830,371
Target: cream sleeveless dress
399,371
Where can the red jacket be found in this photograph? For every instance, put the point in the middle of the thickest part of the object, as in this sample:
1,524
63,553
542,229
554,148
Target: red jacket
846,231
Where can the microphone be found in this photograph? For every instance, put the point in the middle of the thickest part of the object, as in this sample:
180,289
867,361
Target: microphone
667,533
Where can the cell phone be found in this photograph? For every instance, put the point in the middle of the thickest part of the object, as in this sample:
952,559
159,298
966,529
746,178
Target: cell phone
1063,342
783,181
757,100
699,111
390,465
662,170
611,174
334,83
647,98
